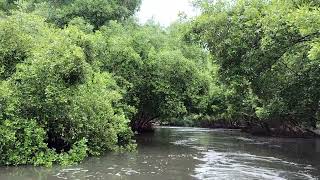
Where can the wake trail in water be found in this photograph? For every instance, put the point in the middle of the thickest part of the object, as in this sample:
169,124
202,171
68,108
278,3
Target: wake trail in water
221,164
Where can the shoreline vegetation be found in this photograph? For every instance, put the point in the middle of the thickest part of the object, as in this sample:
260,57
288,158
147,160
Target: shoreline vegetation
255,128
79,77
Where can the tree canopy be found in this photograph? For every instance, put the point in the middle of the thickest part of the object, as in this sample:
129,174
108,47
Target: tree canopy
79,77
267,52
61,12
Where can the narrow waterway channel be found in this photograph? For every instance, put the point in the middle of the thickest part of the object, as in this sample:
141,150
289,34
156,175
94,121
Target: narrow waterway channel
192,153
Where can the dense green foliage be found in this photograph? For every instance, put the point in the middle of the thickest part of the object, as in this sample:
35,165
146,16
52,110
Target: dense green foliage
78,77
268,57
159,72
54,100
61,12
56,104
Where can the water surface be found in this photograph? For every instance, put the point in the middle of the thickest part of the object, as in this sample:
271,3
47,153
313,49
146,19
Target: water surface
192,153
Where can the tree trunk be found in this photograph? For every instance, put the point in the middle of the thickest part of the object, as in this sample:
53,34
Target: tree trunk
143,123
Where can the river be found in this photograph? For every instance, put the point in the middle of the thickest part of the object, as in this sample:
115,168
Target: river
192,153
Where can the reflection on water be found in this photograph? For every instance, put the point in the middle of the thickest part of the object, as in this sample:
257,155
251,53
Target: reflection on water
192,153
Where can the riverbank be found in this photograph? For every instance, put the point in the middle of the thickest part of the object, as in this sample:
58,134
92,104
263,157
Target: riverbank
285,130
256,128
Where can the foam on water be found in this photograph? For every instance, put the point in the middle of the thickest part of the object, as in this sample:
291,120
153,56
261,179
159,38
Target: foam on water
240,165
221,165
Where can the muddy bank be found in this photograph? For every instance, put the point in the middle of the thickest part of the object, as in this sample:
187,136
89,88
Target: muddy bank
282,130
260,128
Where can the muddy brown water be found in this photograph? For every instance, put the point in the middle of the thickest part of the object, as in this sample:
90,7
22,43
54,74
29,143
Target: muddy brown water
192,153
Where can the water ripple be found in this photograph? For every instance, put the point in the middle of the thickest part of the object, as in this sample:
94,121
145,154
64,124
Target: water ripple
222,165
